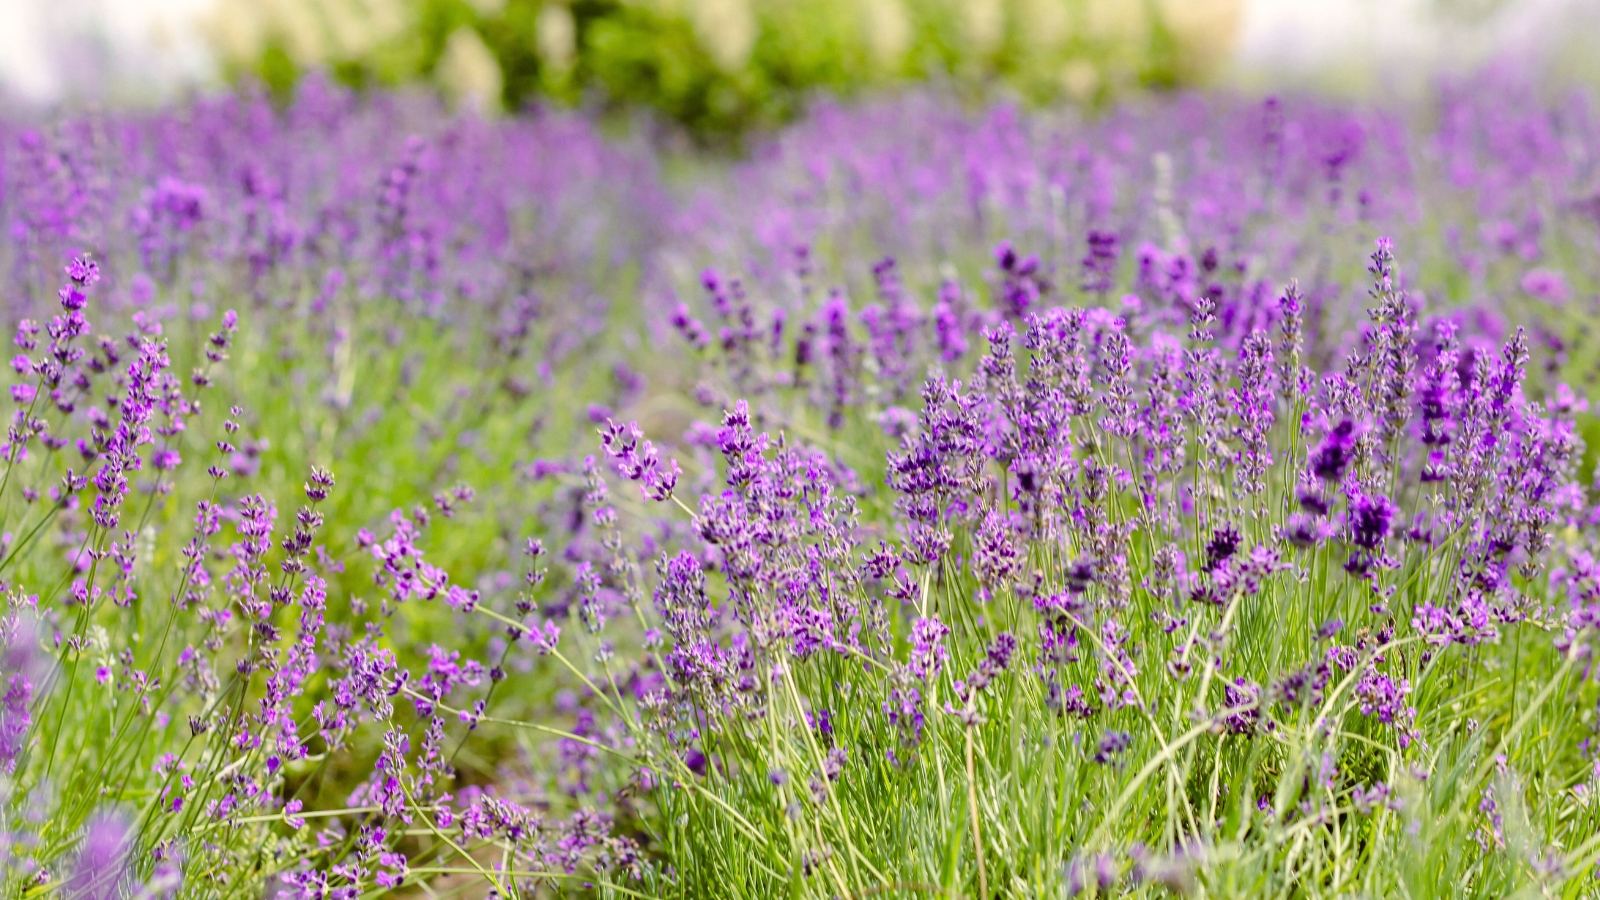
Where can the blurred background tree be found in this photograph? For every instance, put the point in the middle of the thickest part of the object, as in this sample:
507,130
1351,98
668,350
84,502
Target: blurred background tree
720,67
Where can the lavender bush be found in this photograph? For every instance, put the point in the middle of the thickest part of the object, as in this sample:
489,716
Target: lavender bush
1195,499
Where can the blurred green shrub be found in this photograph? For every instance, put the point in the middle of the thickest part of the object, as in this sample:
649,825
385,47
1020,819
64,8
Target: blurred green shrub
722,66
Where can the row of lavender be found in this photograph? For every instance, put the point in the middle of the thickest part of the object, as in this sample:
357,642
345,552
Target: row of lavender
1144,526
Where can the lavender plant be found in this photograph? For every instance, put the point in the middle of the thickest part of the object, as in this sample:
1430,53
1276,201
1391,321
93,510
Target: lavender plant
1196,499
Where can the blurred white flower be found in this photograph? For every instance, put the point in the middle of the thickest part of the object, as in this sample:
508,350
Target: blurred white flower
1044,24
726,29
557,36
985,24
312,32
1117,22
1203,32
888,31
304,37
468,71
1080,79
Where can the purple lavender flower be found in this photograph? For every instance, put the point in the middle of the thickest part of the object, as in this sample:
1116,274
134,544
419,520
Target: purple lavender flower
1253,404
636,459
1333,456
839,357
1242,699
1100,262
691,328
121,456
995,558
101,867
893,324
1112,745
1371,518
1547,285
1385,698
1223,544
950,322
19,668
1023,284
928,653
995,661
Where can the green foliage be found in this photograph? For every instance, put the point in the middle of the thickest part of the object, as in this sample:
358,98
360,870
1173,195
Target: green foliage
659,55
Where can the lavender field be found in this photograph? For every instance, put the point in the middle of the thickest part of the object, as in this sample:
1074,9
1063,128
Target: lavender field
1196,498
